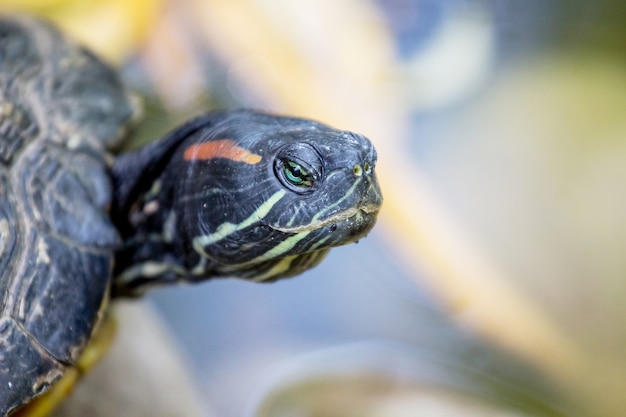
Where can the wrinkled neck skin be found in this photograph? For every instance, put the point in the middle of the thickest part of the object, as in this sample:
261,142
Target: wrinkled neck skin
140,210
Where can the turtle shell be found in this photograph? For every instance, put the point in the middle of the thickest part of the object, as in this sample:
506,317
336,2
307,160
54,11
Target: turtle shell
60,110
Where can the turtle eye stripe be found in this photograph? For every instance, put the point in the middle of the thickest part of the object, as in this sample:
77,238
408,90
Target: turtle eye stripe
222,148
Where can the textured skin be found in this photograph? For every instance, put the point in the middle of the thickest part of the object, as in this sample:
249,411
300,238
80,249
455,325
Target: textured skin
59,109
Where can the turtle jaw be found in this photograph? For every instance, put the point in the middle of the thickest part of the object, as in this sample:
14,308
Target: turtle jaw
355,227
352,216
345,227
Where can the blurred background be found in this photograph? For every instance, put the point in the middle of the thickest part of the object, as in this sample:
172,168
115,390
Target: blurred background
493,284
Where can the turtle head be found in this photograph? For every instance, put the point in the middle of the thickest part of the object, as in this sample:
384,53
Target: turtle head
267,196
257,196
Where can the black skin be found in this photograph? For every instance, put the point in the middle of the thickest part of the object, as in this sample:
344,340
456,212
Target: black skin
205,194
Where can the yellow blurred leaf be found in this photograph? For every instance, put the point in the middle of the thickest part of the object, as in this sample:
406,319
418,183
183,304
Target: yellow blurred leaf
111,28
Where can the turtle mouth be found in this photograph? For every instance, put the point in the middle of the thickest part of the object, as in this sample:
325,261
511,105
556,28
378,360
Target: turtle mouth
358,220
370,208
358,225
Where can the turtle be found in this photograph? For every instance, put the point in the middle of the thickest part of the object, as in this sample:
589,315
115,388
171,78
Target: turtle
240,193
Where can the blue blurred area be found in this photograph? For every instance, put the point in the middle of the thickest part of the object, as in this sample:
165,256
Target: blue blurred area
357,292
359,309
520,26
414,23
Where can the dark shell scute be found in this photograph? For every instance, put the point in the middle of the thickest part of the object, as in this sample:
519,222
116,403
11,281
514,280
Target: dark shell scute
67,194
69,290
16,127
17,55
25,370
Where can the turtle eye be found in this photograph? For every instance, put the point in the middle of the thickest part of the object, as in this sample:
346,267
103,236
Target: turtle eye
298,167
296,174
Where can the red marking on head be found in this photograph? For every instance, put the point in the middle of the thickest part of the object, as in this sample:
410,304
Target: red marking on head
222,148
